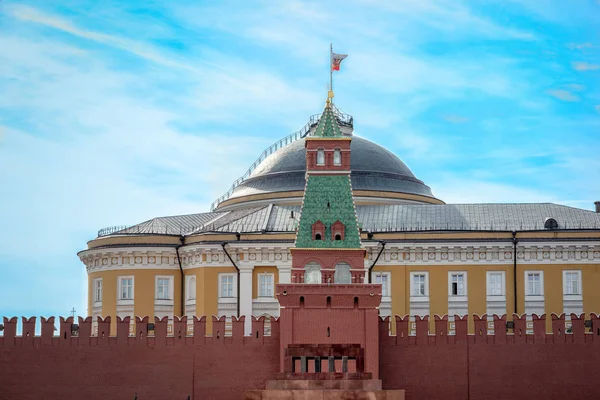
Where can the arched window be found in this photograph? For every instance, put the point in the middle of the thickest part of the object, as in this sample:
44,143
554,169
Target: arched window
320,157
191,289
312,273
338,236
342,273
337,157
318,236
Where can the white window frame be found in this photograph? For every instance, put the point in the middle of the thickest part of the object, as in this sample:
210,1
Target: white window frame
169,279
416,297
529,295
579,294
188,280
465,287
271,284
321,152
337,152
385,288
97,290
495,297
233,285
121,300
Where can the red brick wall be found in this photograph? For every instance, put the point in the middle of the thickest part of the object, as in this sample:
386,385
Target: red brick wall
153,367
481,367
427,366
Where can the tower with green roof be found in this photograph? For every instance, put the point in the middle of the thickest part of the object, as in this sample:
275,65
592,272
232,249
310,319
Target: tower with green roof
328,247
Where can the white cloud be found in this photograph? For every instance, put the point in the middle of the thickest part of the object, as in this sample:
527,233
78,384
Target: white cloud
584,66
455,119
564,95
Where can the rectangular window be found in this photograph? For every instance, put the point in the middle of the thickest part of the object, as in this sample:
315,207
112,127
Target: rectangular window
98,290
126,288
265,285
226,285
163,288
495,283
320,157
383,278
534,283
458,284
419,285
572,283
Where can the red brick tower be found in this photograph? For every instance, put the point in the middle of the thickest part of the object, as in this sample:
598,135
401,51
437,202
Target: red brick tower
329,316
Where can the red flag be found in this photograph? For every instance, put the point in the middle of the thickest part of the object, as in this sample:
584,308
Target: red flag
336,60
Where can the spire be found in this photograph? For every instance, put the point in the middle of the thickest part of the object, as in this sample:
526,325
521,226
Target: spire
328,124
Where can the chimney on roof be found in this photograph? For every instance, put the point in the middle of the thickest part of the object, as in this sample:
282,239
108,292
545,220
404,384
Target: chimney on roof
597,203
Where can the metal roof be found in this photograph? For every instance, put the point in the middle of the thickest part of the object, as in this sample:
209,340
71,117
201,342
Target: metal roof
380,218
373,168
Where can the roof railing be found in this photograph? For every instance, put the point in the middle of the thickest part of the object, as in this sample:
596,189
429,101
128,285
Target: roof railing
111,229
343,119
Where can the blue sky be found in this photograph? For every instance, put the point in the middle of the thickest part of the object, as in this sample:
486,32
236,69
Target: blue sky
115,112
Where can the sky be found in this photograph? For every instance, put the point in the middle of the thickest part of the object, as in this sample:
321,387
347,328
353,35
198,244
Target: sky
112,112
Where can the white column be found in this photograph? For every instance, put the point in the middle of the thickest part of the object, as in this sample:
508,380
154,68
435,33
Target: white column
246,298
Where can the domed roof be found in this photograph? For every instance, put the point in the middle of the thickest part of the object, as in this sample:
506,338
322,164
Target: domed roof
373,168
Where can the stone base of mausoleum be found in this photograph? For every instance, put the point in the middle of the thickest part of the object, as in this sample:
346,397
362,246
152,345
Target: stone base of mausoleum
324,386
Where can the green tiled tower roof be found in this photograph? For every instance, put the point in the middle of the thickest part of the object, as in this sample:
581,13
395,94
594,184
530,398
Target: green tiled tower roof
328,198
328,125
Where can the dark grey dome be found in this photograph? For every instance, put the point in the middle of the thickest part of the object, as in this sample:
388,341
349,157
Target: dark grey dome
373,168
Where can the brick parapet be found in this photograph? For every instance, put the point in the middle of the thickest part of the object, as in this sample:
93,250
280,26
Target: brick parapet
146,333
582,330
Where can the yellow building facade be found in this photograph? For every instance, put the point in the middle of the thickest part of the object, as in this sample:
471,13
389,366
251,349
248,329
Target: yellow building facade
430,257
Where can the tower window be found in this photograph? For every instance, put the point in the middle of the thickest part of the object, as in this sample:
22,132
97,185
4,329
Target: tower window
320,157
337,157
318,230
342,273
337,230
312,273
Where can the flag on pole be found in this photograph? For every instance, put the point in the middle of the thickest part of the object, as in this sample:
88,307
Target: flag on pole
336,60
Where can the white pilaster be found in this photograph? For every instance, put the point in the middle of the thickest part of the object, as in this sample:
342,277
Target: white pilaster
246,298
285,273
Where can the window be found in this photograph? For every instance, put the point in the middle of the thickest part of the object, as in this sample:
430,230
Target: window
458,284
312,273
126,288
534,283
191,288
337,157
338,236
265,285
226,285
317,236
98,290
419,284
342,273
572,283
163,288
383,278
320,157
495,283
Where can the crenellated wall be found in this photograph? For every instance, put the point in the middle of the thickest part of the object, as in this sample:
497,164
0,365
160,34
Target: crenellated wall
508,364
151,363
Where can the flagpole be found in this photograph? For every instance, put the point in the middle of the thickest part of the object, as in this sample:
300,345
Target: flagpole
331,67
